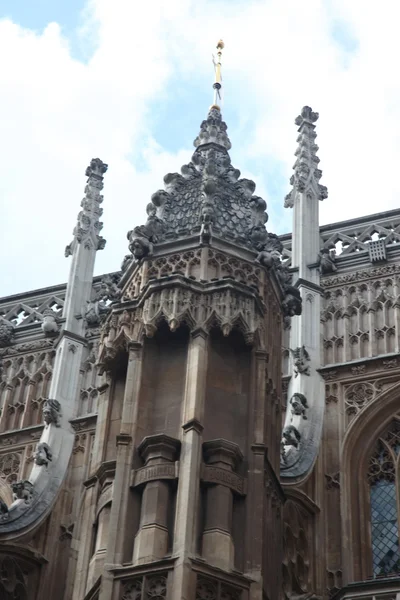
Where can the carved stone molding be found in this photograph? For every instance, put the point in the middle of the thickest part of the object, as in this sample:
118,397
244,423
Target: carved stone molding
332,481
357,395
222,458
216,475
209,588
155,472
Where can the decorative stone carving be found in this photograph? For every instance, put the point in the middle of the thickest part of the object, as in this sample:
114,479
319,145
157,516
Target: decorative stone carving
88,226
212,589
66,532
300,360
291,436
332,481
13,584
22,490
326,261
305,179
142,237
297,558
10,464
226,307
49,325
271,252
358,395
98,307
6,333
292,302
298,403
52,412
133,589
43,454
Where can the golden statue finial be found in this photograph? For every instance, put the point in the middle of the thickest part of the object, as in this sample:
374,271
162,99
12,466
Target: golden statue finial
218,78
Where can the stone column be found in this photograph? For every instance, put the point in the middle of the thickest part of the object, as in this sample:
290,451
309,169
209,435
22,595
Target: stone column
126,441
158,453
85,536
222,458
190,461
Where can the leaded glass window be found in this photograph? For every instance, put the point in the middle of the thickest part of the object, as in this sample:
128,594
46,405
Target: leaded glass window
383,477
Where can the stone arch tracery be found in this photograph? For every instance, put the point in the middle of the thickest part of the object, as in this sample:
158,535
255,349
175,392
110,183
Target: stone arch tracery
383,479
367,459
298,528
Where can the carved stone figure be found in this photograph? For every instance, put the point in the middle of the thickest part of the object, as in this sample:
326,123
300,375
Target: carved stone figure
6,334
52,412
298,403
207,219
291,436
292,302
43,454
139,245
22,490
49,325
326,261
301,359
108,291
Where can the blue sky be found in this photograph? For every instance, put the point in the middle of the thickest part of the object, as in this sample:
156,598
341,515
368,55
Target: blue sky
131,82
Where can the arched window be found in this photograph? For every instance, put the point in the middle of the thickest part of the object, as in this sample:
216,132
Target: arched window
384,490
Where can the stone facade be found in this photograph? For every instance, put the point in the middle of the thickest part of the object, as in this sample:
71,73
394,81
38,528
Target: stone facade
220,419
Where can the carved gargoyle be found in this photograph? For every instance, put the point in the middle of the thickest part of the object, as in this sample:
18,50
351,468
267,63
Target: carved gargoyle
291,436
108,291
22,490
43,455
49,325
301,359
270,255
326,261
292,302
6,334
142,237
298,403
52,412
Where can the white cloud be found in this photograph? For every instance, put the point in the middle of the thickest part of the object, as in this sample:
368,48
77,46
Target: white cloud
56,112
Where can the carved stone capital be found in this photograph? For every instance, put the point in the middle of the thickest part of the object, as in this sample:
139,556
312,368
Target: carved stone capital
222,453
158,448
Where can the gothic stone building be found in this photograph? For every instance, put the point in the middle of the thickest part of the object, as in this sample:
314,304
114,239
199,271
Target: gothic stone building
219,420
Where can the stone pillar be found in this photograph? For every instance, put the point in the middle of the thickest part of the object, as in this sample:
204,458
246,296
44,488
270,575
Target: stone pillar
189,471
85,536
125,444
222,458
158,453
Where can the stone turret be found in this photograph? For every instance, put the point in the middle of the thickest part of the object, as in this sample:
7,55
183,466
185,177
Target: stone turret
194,342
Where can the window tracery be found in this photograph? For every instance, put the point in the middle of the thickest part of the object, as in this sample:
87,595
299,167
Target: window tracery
383,479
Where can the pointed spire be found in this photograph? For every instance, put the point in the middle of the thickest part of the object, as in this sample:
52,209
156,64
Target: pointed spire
218,77
306,172
88,225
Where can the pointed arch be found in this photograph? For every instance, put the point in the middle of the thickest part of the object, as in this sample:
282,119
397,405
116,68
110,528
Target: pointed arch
357,447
